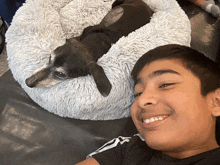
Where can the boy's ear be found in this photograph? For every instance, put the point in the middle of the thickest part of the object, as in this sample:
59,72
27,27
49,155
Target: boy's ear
216,103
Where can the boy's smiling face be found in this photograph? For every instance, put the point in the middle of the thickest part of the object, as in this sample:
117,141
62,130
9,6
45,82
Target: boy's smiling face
170,112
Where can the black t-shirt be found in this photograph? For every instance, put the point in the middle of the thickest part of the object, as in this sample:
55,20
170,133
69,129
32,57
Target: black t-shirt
134,151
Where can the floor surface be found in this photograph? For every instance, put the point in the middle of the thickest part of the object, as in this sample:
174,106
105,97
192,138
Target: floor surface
3,63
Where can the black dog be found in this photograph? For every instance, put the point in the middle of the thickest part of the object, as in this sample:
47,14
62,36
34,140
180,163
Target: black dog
78,56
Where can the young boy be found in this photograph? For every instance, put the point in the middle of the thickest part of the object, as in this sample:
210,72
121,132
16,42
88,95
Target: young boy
177,102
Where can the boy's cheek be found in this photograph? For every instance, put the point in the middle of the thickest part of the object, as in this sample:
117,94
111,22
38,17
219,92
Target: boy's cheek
134,113
133,108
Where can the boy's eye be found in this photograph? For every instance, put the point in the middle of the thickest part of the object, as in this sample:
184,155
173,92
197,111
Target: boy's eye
137,94
166,85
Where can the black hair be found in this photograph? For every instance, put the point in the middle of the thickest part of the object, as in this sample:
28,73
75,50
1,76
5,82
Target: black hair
201,66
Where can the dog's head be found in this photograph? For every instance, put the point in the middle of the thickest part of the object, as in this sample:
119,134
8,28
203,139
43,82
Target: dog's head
71,60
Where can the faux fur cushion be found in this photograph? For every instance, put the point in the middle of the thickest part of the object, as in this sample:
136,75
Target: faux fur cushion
40,26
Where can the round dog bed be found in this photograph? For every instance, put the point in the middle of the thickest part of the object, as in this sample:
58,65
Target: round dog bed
40,26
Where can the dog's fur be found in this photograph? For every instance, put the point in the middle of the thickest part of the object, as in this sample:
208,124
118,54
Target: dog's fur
78,56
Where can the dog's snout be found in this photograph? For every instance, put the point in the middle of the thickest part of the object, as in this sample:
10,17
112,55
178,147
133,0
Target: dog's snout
37,77
30,83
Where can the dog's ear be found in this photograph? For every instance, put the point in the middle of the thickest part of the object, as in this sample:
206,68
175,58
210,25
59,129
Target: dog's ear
113,16
87,30
117,3
103,84
92,29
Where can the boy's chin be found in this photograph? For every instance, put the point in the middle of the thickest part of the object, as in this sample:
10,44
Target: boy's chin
159,146
162,143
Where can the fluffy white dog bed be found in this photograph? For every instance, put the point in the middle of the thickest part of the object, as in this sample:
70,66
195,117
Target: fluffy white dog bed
40,26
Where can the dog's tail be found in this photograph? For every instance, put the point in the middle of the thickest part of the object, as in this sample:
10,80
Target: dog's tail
103,84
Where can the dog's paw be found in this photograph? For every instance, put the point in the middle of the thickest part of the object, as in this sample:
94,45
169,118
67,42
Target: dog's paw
103,84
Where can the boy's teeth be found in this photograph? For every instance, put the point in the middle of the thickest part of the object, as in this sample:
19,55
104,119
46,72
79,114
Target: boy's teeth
153,119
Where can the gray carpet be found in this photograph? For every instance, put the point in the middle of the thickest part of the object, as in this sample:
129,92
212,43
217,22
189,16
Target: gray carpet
3,63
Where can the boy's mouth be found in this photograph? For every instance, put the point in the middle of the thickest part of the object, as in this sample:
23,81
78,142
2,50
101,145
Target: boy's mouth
155,119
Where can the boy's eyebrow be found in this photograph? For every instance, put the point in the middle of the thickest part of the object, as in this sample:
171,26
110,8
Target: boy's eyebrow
160,72
157,73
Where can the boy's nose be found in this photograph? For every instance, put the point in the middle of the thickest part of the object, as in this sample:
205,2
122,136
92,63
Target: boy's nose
147,98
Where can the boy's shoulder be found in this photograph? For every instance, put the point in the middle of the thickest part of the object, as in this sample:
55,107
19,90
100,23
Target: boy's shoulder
123,150
123,143
133,150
